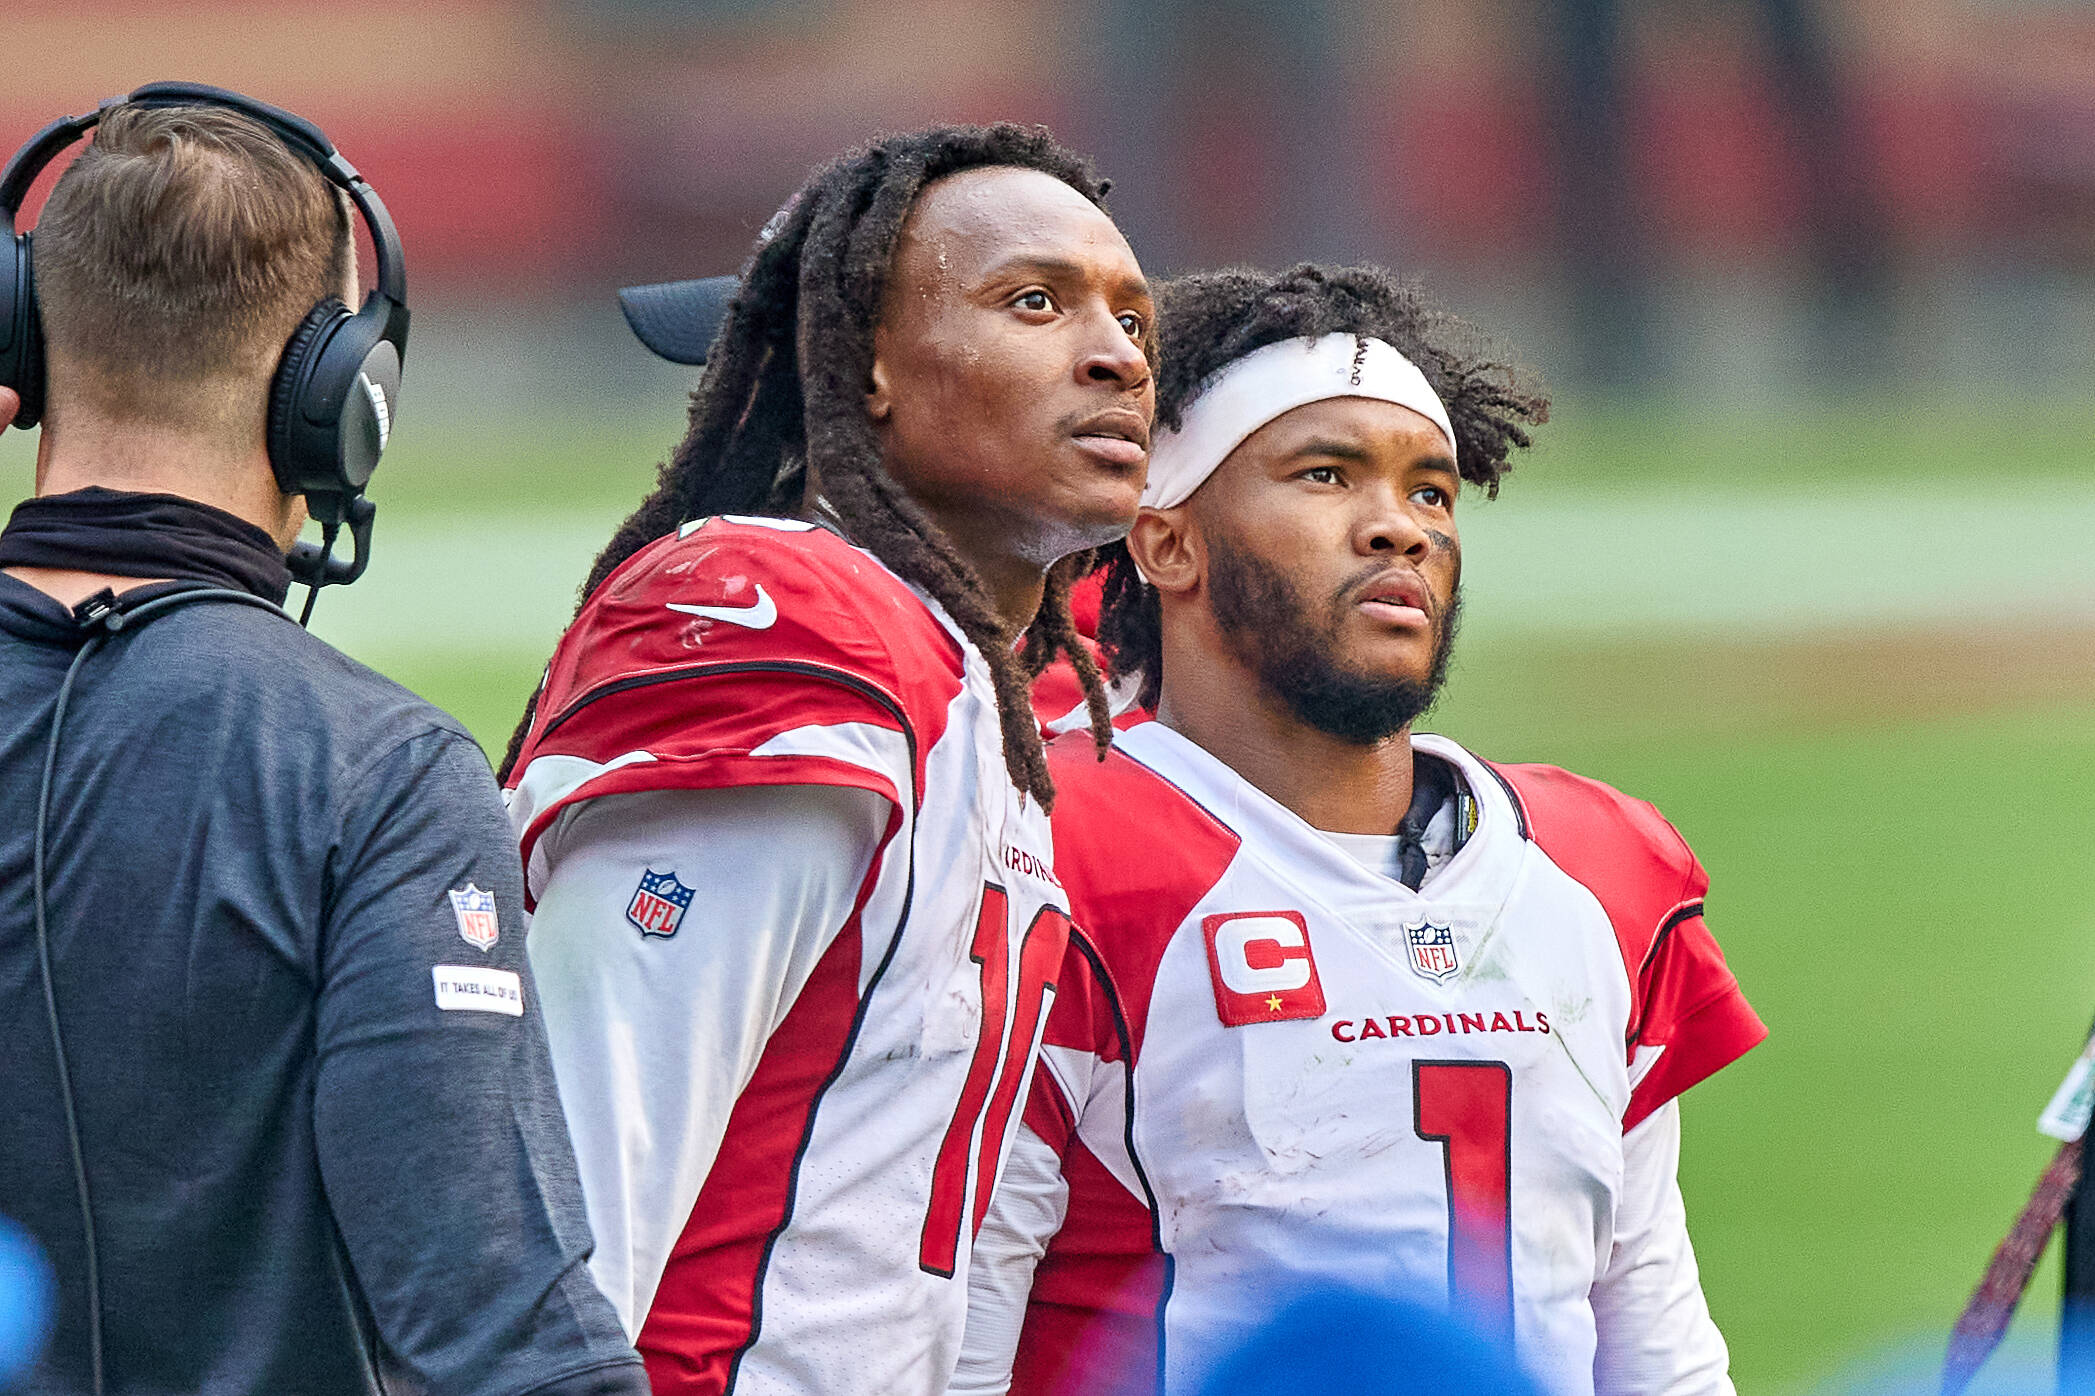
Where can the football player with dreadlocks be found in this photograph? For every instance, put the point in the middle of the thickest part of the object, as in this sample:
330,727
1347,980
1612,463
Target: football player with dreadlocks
1346,1004
781,797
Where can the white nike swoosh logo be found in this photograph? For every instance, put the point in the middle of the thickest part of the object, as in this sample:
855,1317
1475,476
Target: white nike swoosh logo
760,616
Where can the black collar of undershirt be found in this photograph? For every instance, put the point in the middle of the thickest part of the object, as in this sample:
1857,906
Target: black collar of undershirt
1433,783
123,534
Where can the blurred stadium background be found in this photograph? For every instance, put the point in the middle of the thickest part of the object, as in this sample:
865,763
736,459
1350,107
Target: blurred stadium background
1805,556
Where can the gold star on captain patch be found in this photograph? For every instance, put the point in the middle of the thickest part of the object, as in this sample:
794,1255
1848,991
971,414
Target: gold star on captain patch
1273,1003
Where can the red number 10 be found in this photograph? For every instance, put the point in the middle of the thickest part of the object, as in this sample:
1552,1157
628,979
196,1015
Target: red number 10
1467,1108
993,1075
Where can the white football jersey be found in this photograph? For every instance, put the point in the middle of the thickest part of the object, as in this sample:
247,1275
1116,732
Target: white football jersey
784,1191
1271,1067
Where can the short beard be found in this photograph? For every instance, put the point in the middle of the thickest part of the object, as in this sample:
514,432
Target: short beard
1279,637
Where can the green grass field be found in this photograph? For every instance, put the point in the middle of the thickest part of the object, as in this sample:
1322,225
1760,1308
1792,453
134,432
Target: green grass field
1907,901
1855,667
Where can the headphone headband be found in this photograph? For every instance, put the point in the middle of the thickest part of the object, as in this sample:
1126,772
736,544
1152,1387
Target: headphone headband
29,161
295,131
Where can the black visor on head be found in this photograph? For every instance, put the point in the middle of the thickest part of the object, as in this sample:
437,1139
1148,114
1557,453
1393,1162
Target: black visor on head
678,319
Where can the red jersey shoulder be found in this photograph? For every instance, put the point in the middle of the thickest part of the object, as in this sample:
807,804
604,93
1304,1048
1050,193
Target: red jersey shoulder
1688,1018
1621,849
1122,830
1136,854
757,594
1059,703
1058,695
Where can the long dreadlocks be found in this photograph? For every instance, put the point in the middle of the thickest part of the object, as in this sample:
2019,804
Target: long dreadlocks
1209,320
783,393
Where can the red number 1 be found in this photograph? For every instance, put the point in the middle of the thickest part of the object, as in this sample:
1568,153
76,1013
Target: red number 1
1467,1108
994,1073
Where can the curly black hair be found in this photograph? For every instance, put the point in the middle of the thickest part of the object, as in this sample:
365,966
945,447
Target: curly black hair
1209,320
783,390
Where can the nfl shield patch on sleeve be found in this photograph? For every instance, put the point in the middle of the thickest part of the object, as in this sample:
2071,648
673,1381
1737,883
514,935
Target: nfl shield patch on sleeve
478,925
659,904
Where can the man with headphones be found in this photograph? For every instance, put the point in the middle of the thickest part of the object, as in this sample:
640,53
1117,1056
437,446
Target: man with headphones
276,1097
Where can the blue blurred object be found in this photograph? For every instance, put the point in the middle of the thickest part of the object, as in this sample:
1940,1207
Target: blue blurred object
1362,1345
25,1302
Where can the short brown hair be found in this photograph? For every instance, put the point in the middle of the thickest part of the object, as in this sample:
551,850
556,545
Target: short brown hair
184,245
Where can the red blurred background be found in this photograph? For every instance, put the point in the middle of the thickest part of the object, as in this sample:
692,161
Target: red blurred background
1597,152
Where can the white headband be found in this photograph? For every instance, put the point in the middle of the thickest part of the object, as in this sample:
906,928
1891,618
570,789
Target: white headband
1252,391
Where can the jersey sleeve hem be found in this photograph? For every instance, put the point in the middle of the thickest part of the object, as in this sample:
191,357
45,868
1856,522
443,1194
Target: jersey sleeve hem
1716,1034
710,771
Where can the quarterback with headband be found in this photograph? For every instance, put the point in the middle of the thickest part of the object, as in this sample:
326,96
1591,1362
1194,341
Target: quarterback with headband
1347,1005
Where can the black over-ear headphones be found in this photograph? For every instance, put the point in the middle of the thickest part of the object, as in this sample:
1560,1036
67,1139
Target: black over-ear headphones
337,386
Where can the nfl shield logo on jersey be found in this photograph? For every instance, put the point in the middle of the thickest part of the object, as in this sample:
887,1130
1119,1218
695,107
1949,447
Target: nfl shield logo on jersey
1432,952
658,904
475,910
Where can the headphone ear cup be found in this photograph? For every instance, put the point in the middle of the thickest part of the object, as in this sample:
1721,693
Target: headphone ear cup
299,468
22,351
368,405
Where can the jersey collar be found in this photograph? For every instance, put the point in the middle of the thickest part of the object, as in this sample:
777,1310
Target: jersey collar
1479,875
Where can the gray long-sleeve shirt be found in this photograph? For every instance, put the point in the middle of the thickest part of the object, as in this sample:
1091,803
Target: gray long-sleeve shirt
324,1150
